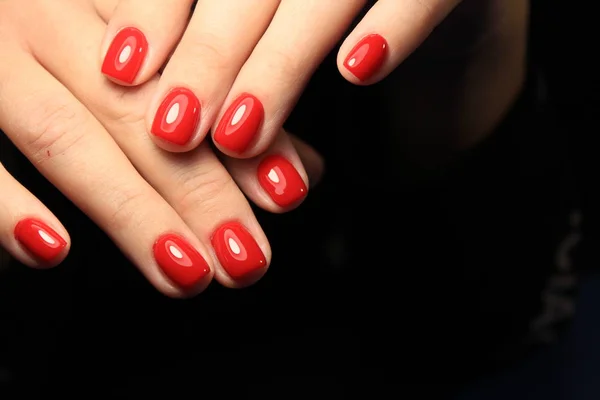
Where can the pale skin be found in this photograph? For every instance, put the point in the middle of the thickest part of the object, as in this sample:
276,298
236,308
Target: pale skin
268,48
192,192
88,137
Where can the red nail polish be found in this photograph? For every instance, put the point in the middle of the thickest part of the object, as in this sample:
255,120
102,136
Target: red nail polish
125,55
177,117
39,239
240,124
237,250
180,261
367,57
281,180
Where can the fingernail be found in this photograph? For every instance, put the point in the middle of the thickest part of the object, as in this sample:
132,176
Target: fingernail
41,241
280,179
177,117
125,55
367,56
240,124
237,251
180,262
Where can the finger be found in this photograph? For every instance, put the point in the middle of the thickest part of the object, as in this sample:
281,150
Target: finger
220,37
299,37
389,33
77,155
28,230
207,197
276,180
140,36
196,184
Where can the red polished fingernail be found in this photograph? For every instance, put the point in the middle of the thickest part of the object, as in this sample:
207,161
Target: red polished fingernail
177,116
180,261
237,250
367,57
39,239
125,55
241,122
281,180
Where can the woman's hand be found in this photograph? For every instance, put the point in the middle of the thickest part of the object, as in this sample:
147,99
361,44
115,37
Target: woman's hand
245,63
181,219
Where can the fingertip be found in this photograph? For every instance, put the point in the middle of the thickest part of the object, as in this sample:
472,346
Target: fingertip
236,134
282,181
140,36
183,270
43,247
244,257
176,121
125,54
362,65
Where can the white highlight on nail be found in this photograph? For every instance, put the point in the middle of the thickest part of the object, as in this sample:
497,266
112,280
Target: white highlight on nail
45,237
237,117
175,251
173,113
273,176
125,53
235,248
352,62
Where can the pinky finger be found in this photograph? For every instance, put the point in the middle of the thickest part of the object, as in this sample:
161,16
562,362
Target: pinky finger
276,180
387,35
28,230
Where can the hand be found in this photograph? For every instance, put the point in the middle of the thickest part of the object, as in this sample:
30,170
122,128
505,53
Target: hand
181,220
245,63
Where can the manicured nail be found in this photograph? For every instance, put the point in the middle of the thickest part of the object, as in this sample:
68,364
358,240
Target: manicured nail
240,124
125,55
237,251
177,117
41,241
280,179
180,261
367,56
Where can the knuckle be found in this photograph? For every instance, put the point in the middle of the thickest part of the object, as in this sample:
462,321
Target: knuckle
124,114
283,66
125,105
126,206
121,109
202,190
208,50
429,11
53,127
425,6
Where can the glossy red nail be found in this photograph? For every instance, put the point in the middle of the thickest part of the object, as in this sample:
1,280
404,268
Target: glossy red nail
366,57
180,261
281,180
240,124
125,55
39,239
177,117
237,251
